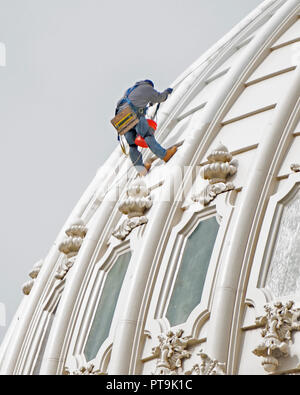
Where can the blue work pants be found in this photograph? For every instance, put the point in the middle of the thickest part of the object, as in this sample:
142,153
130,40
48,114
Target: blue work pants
144,130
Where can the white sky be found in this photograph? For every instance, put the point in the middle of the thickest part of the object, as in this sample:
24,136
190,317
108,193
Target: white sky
67,63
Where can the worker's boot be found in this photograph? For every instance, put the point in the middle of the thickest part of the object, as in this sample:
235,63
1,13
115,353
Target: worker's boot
170,152
147,166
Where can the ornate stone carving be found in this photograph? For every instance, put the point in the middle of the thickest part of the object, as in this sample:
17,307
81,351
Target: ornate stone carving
70,247
33,274
171,351
278,324
221,166
27,287
88,370
207,366
295,167
134,205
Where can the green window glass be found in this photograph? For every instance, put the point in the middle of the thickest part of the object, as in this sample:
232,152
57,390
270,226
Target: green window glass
106,307
190,279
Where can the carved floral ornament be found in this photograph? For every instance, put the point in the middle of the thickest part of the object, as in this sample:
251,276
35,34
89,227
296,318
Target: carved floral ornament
207,366
70,246
86,370
172,350
278,324
221,166
134,205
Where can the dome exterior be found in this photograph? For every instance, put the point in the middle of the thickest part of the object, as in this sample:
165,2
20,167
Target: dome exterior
194,268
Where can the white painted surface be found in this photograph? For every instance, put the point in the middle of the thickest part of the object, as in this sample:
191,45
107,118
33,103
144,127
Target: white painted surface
262,143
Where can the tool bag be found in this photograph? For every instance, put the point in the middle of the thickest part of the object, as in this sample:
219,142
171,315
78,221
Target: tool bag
125,120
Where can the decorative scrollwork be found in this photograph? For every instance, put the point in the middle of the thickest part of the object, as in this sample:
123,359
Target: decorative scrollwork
221,166
171,351
33,274
278,324
70,247
88,370
134,205
207,366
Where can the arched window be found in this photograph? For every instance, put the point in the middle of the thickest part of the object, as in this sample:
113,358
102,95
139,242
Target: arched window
283,276
188,287
106,306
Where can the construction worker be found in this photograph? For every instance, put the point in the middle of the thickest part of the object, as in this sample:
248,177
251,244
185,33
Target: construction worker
139,96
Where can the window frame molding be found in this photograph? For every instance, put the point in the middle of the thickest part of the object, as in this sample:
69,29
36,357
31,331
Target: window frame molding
257,294
178,240
157,322
88,306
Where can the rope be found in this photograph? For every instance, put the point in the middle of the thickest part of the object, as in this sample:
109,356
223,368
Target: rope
122,145
155,114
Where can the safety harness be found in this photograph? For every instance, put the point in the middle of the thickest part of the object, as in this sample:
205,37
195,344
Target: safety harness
127,93
138,111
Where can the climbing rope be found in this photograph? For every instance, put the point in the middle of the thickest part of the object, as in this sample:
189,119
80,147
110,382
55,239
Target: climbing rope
122,145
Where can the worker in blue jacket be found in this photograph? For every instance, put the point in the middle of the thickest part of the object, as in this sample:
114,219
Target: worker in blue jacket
140,96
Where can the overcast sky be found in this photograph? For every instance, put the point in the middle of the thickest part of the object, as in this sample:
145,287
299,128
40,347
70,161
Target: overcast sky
67,63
